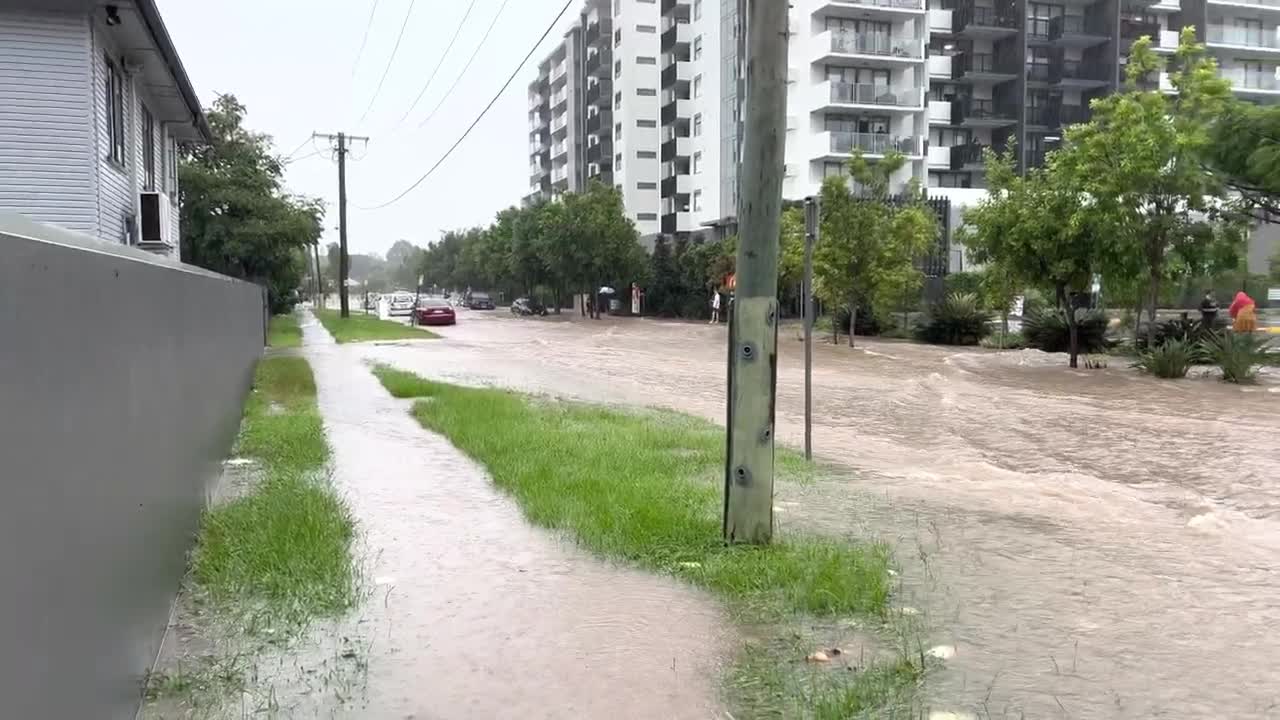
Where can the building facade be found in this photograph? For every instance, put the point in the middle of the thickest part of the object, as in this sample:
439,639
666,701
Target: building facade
93,103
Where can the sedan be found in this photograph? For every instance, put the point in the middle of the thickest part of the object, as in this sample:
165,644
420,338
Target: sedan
527,306
401,304
435,312
480,301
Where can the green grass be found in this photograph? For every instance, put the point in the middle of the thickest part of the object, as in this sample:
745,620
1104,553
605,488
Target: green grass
283,331
285,547
645,487
364,328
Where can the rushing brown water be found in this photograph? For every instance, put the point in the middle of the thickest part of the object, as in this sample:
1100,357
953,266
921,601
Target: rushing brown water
474,613
1095,544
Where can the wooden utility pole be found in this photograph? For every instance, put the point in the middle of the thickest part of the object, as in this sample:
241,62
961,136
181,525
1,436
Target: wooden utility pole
344,262
753,320
812,219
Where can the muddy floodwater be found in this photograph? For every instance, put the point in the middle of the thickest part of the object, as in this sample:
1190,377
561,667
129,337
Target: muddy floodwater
1094,544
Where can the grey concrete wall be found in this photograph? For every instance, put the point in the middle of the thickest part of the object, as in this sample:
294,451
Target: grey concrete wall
122,378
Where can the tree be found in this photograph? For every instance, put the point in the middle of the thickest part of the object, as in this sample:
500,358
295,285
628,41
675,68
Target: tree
1140,161
869,243
1244,153
1037,229
236,217
791,252
662,296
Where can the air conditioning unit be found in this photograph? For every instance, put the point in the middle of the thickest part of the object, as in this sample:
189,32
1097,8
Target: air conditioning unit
157,231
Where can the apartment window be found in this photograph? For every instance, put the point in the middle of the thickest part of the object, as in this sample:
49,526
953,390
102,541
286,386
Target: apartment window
646,186
697,48
617,68
647,123
647,2
874,125
148,150
949,180
835,169
1038,17
617,37
617,131
617,100
646,216
697,163
697,9
697,125
858,76
951,137
1252,73
646,60
115,112
943,91
617,7
646,155
697,86
880,31
697,200
646,29
617,164
646,92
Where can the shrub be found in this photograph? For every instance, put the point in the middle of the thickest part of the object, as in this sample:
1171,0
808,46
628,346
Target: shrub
1170,360
957,320
1047,330
868,323
1192,332
963,283
1238,354
1011,341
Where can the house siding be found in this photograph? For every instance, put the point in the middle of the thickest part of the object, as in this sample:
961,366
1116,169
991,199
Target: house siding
116,202
46,145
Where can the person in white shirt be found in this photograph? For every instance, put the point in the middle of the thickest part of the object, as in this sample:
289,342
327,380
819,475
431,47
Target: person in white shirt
715,307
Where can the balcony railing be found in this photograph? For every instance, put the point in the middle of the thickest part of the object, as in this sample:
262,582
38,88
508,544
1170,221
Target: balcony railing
979,109
1038,29
1243,80
1079,70
1246,37
560,174
967,155
1064,115
855,43
968,16
966,63
904,4
1132,29
559,123
1038,72
872,143
871,94
1065,25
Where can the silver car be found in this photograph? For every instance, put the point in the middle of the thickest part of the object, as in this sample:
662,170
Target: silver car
401,304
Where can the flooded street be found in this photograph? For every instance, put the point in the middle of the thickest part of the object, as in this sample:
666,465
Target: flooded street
1095,544
474,613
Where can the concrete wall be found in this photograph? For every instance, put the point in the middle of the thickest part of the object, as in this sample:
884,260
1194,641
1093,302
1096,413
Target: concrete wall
122,377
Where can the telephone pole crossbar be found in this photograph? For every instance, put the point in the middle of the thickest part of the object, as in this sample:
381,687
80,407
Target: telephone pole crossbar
342,143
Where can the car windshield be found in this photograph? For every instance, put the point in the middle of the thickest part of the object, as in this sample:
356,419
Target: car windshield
403,298
433,303
479,296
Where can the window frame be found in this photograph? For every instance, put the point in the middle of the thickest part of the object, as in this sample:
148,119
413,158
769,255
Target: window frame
114,89
148,149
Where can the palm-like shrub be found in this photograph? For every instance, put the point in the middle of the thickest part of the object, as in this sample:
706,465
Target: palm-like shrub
1047,330
1238,354
1171,360
958,320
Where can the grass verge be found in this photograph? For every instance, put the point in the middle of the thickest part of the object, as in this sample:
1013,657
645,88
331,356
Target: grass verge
284,548
364,328
284,332
644,487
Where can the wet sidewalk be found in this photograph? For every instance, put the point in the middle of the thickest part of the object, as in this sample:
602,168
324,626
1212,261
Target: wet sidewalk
475,614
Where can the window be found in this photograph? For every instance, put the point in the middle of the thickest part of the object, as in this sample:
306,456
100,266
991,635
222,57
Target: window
148,150
646,29
646,216
617,131
647,123
115,113
697,163
646,186
697,48
950,137
646,60
617,100
1253,73
647,2
617,68
617,163
943,91
617,7
171,168
646,154
617,37
697,9
697,86
646,92
949,180
697,125
834,169
697,200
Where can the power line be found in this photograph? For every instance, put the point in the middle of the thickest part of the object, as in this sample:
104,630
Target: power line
365,41
466,67
390,61
308,156
480,117
440,62
300,146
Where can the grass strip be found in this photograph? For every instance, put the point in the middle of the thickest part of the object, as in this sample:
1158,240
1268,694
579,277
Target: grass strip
365,328
644,486
285,547
283,331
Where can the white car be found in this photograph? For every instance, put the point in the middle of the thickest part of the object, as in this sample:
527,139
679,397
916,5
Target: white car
401,304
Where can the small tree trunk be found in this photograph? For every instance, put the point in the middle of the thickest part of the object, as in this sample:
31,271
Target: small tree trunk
1153,299
1075,335
1004,326
853,321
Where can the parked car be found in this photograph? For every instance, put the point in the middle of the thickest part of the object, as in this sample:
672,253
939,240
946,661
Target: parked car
401,304
434,311
480,301
371,303
527,306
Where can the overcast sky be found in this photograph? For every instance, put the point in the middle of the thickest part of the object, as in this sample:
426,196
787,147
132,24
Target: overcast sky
291,63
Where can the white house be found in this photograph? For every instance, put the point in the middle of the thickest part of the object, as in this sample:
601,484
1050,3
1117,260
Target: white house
93,102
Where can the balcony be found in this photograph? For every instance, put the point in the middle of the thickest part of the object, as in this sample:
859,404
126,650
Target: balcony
535,102
981,113
680,183
558,72
983,67
560,123
559,98
593,94
973,21
1252,4
969,156
678,222
676,108
1038,73
600,152
679,35
881,49
537,148
1244,82
598,124
860,8
871,95
536,171
940,65
940,111
1037,31
1263,39
1065,114
939,156
560,175
1077,31
675,147
675,6
597,64
1132,28
559,149
1082,74
840,144
677,72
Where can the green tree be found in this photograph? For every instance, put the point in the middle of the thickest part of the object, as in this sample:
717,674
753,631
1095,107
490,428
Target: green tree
236,217
791,253
869,243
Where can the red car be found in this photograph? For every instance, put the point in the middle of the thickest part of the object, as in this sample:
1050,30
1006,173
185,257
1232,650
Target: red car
432,311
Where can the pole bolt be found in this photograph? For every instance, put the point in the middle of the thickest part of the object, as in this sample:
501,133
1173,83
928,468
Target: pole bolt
742,476
766,434
748,352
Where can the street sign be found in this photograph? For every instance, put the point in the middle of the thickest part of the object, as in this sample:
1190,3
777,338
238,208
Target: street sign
1273,294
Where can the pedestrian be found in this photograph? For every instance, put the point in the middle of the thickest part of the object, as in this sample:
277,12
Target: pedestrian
1208,310
715,306
1243,313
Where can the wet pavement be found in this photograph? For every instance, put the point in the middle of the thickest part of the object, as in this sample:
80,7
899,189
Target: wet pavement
1094,544
475,614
